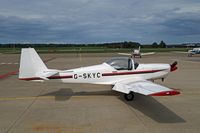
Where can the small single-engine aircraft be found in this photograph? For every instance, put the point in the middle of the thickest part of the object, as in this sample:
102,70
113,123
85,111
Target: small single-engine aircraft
193,52
137,53
125,75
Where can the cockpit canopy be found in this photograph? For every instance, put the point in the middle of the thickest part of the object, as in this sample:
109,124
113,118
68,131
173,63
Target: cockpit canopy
122,63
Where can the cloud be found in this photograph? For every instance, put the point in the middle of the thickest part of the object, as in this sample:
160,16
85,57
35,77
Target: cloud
90,21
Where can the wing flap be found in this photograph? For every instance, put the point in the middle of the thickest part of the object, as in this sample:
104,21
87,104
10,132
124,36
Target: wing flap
145,88
121,88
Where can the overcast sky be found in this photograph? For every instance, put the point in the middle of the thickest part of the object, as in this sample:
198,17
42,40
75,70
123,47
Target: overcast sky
94,21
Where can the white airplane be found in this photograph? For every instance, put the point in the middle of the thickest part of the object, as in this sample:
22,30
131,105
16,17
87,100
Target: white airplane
193,51
136,52
125,75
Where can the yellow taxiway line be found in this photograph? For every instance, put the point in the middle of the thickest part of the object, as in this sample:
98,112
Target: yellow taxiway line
26,98
44,97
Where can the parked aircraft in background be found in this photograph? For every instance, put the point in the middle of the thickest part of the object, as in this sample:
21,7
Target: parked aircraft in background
137,53
193,52
125,75
189,53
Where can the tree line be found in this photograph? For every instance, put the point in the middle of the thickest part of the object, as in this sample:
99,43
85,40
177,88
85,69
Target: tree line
125,44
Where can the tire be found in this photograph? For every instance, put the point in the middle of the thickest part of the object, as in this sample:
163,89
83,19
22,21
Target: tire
129,97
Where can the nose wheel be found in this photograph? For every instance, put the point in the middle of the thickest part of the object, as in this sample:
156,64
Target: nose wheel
129,97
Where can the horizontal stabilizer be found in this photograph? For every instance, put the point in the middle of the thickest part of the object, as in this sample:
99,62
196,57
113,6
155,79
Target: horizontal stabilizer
50,72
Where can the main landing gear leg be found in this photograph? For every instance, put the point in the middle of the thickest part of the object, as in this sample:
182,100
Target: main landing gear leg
129,97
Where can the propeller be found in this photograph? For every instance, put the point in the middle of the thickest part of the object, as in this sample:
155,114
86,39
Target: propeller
173,66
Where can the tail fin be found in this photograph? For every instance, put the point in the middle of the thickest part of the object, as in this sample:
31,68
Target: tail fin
31,65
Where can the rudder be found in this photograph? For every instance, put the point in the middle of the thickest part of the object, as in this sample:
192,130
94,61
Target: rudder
31,65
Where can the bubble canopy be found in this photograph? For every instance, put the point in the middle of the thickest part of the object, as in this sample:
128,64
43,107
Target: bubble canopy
121,63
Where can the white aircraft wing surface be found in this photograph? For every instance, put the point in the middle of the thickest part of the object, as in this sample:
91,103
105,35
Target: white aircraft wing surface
149,53
143,87
179,52
124,54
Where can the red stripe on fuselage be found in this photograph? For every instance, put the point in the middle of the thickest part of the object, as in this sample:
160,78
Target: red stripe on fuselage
60,77
129,73
104,74
51,77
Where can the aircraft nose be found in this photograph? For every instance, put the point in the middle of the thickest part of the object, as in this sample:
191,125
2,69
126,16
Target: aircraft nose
163,66
167,67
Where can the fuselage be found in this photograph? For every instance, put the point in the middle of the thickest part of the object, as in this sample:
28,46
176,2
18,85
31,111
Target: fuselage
106,74
110,72
194,51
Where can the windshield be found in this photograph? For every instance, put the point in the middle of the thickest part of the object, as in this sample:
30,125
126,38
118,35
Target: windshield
120,63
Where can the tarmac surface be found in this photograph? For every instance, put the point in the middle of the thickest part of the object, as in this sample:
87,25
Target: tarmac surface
48,107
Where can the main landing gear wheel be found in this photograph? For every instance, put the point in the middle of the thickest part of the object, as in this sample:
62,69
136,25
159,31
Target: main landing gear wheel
129,97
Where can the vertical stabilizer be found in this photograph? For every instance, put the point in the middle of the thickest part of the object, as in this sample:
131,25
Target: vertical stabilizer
31,64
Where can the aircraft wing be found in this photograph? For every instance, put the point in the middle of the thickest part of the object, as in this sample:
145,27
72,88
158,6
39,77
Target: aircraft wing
149,53
181,52
125,54
143,87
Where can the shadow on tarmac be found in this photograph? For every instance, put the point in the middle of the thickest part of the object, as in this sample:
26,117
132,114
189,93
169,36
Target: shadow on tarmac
61,95
66,93
145,104
153,109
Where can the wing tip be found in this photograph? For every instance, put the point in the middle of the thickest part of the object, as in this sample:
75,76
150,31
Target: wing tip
166,93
